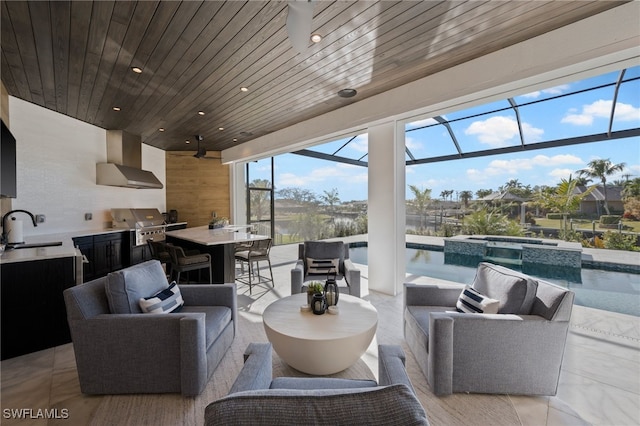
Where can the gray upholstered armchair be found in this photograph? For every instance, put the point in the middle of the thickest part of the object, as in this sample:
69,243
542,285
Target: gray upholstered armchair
337,252
119,349
256,398
519,350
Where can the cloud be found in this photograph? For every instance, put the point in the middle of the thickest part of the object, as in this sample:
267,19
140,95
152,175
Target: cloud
562,173
420,123
601,109
360,143
556,90
501,131
516,165
412,144
316,177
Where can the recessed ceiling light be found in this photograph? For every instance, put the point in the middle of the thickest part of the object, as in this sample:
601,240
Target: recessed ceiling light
201,112
221,128
316,38
244,89
137,70
161,129
235,139
347,93
187,141
116,108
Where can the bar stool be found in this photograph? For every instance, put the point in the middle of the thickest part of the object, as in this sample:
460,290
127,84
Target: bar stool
181,262
259,250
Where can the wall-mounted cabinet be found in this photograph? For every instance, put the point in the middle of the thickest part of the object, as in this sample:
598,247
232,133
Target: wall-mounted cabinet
8,184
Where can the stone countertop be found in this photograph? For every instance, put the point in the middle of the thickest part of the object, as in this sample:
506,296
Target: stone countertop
208,237
67,249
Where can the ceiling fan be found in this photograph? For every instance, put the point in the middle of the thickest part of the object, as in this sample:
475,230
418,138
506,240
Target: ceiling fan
299,17
201,152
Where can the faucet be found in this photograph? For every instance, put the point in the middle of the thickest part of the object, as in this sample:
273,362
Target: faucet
5,236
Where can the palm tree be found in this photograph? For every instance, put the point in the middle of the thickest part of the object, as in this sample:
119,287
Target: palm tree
601,169
421,201
465,196
563,199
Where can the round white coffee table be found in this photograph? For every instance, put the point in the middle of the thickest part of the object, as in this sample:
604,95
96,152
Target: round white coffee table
320,344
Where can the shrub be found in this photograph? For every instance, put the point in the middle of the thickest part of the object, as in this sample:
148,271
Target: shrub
610,219
484,222
619,241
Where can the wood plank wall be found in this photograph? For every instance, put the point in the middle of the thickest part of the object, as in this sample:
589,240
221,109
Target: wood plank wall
197,187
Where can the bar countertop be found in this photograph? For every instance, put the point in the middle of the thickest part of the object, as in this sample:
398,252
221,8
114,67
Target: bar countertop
210,237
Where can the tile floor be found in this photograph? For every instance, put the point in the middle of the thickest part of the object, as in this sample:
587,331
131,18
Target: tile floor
599,382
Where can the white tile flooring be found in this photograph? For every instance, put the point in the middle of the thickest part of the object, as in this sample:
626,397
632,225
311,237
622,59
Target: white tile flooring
599,381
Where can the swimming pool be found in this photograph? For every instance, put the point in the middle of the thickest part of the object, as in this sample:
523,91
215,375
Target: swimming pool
606,290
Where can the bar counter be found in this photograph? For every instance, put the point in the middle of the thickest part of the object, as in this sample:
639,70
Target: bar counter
219,243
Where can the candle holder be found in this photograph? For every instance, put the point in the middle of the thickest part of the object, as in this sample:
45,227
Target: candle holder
318,304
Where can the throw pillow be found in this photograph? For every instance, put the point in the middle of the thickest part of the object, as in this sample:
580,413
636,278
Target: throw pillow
163,302
515,291
471,301
322,266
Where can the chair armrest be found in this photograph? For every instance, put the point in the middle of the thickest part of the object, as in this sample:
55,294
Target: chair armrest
391,366
431,294
506,348
257,370
352,276
120,356
212,295
297,277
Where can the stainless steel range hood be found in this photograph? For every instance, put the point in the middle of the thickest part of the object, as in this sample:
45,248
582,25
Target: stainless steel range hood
124,163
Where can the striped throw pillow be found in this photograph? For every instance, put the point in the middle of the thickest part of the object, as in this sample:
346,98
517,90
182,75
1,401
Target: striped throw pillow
322,266
163,302
473,302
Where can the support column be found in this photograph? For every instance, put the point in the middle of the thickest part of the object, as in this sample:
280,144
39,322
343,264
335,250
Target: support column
238,189
387,217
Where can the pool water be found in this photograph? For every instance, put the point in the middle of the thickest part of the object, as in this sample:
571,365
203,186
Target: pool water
609,291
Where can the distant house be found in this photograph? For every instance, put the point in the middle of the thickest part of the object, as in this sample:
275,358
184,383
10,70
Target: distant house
594,202
504,196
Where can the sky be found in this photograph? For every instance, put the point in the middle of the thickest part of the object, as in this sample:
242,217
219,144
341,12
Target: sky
572,115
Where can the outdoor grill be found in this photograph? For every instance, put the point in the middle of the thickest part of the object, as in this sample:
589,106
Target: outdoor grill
147,224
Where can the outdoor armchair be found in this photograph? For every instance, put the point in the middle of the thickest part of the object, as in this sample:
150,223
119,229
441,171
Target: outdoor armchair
330,257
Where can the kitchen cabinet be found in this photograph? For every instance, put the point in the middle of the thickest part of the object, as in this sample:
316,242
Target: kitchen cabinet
33,312
85,245
137,254
107,253
104,253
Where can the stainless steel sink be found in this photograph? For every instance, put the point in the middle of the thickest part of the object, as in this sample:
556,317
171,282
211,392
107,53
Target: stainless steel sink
33,245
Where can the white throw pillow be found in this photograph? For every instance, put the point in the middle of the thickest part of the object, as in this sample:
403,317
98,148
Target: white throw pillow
163,302
322,266
473,302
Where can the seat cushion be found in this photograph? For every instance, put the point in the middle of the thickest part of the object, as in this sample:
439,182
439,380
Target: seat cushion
382,405
216,319
125,288
319,383
515,291
192,260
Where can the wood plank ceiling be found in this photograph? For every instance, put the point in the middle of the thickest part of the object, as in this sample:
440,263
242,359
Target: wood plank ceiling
76,58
